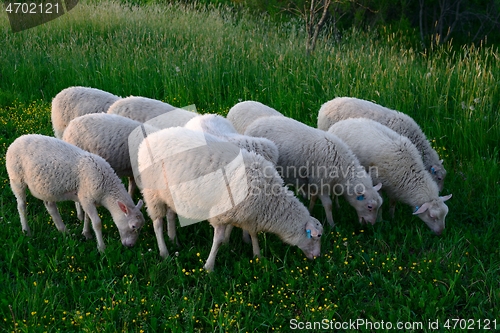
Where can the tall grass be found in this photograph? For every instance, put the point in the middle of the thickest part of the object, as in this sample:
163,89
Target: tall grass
214,57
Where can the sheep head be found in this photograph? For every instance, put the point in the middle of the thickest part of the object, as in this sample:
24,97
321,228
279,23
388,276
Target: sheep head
433,213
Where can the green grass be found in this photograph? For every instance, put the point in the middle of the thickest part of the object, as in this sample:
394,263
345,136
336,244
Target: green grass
394,271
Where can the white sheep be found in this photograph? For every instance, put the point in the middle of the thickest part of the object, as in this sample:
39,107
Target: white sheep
319,164
222,128
394,161
341,108
105,135
73,102
244,113
139,108
54,170
204,178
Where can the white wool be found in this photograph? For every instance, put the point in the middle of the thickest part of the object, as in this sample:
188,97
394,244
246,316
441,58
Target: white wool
341,108
395,162
320,164
139,108
179,166
222,128
54,170
73,102
105,135
244,113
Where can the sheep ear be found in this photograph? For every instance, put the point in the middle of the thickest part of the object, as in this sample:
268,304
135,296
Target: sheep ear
139,204
377,187
421,209
448,197
312,230
441,161
123,207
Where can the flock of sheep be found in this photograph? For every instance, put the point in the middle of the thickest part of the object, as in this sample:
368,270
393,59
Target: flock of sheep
232,171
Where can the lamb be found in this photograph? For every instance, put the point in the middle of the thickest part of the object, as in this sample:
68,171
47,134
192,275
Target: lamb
140,109
54,170
341,108
73,102
205,178
244,113
319,164
397,165
105,135
222,128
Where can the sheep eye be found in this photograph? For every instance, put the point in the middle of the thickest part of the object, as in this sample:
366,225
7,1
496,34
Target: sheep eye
360,197
433,171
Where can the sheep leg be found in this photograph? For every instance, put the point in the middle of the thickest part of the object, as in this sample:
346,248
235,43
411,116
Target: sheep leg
312,202
20,193
337,202
392,207
227,234
131,186
327,204
158,226
86,227
56,217
79,211
246,237
171,229
229,229
91,211
219,233
255,244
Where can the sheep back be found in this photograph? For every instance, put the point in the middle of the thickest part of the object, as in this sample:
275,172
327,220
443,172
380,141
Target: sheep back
139,108
105,135
244,113
73,102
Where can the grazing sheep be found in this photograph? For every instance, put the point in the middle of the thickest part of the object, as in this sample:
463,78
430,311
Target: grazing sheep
54,170
342,108
222,128
105,135
73,102
204,178
319,164
395,162
139,108
244,113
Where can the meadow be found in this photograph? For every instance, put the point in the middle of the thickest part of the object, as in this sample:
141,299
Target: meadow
396,271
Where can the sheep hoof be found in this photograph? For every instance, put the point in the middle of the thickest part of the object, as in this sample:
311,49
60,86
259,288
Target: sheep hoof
88,235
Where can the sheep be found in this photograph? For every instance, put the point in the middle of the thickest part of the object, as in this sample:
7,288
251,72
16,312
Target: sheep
394,161
54,170
319,164
105,135
244,113
77,101
139,108
341,108
222,128
204,178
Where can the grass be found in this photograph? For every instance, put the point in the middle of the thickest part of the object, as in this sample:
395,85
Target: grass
395,271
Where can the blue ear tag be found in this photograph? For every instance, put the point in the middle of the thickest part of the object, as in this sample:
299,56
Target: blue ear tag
416,208
433,171
308,232
360,197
